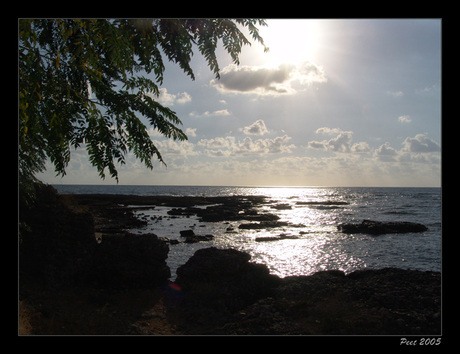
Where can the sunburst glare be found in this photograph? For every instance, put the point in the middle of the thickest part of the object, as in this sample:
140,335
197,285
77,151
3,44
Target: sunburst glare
291,41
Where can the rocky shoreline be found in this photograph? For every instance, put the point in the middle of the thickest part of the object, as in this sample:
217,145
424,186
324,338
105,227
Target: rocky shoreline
224,293
72,282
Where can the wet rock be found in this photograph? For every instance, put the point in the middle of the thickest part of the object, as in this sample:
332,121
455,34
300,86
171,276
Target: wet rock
276,238
199,238
282,206
263,225
327,202
380,227
190,236
187,233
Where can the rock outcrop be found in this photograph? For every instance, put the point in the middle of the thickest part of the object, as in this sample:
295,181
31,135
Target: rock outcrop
190,236
130,261
221,292
65,246
387,301
382,227
217,282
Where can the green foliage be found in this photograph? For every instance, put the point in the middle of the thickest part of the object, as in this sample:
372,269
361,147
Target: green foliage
81,84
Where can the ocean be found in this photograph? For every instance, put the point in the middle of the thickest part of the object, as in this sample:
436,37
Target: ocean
319,245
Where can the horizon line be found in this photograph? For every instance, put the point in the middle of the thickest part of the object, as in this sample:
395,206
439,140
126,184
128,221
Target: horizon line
234,186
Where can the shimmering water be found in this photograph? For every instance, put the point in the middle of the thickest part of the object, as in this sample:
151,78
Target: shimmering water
319,245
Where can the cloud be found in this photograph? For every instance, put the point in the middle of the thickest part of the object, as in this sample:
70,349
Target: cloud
395,93
153,132
183,97
267,80
326,130
190,132
385,152
428,90
218,113
340,143
172,147
360,148
256,128
169,99
419,149
229,146
404,119
421,143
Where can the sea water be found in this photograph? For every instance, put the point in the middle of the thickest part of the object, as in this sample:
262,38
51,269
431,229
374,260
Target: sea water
319,245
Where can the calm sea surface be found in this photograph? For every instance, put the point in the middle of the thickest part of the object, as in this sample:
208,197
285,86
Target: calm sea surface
319,246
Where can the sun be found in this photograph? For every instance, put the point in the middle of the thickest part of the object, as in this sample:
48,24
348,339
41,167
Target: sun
290,41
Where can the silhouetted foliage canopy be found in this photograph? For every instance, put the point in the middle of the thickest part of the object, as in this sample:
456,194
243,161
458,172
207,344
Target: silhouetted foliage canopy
82,83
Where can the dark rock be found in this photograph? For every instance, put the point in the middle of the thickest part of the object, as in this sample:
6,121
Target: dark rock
131,261
259,217
190,236
187,233
58,244
388,301
327,202
276,238
263,225
267,238
379,227
181,211
282,206
198,238
217,282
219,213
65,246
168,240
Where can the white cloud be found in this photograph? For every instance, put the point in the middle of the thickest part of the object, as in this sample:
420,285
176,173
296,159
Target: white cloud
218,113
169,99
229,146
385,152
190,132
360,148
183,97
172,147
154,132
340,143
268,80
395,93
421,143
404,119
419,149
256,128
326,130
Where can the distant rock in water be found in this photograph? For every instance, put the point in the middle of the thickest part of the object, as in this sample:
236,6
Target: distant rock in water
276,238
326,202
382,227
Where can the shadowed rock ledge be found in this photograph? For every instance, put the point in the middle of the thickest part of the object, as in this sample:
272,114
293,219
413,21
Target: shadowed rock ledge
222,292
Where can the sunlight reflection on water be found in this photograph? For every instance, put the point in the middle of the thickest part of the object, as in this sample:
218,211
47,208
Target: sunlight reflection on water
318,245
303,256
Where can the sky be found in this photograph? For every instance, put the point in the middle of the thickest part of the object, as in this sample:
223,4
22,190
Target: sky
333,103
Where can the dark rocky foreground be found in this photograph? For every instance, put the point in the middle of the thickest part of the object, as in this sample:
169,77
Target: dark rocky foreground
223,293
72,284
